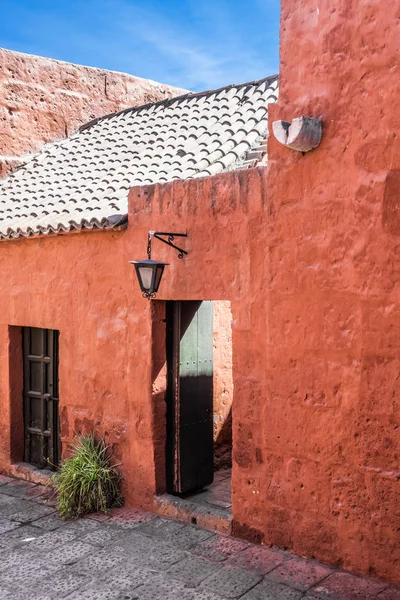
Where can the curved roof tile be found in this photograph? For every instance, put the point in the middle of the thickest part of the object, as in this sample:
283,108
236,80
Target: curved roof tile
75,183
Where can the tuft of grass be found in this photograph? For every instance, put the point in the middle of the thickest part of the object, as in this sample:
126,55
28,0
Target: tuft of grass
87,482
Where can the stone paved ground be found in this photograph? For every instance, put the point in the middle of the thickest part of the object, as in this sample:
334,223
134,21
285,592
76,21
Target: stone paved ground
133,555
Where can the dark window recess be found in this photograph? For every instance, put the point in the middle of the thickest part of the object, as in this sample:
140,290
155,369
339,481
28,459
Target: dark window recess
41,420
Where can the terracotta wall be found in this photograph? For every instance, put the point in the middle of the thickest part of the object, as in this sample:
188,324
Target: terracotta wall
107,335
42,100
329,481
223,384
308,256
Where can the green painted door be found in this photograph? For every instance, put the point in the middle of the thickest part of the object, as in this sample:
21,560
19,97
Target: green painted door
190,397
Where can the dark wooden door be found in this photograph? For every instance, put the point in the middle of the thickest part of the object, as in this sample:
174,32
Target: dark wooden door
42,440
190,396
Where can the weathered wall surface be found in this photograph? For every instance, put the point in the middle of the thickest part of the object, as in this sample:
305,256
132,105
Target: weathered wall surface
42,100
223,384
83,285
327,482
308,258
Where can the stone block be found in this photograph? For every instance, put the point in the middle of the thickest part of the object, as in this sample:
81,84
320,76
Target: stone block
258,559
231,582
343,586
193,570
268,590
188,536
219,548
128,577
299,574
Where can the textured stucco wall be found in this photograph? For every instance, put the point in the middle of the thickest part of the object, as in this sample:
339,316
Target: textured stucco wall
329,424
110,377
42,100
308,256
223,384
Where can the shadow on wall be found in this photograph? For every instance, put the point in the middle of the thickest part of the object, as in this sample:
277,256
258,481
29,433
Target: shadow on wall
223,445
223,384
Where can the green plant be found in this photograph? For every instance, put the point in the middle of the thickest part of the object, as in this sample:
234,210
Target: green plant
87,481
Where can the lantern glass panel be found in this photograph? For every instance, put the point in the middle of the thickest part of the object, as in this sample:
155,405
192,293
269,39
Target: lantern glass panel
146,276
159,272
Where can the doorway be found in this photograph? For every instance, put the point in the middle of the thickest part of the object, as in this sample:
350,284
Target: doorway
42,446
199,399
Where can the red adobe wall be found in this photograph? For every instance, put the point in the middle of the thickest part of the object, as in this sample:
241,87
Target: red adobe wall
111,378
42,100
308,256
314,419
223,385
328,484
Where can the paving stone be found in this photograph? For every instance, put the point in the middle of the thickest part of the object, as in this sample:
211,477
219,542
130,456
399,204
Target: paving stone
141,550
7,525
43,495
100,561
160,588
39,493
4,479
13,558
49,523
81,526
100,536
51,539
129,518
7,594
21,535
390,594
70,553
100,517
160,527
231,582
126,577
25,574
31,513
10,506
204,595
219,548
188,536
343,586
193,570
163,556
98,592
132,542
59,584
299,573
269,590
18,488
258,559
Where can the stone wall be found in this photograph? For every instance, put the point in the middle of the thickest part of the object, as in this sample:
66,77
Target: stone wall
42,100
329,485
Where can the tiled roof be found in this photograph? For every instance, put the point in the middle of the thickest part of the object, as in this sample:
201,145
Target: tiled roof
83,181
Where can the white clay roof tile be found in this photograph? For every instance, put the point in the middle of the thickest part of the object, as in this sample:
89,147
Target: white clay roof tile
84,180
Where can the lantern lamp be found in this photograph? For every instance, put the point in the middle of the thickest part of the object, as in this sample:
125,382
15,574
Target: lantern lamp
148,271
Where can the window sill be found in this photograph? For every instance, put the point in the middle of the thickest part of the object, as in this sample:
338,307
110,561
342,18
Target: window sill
28,472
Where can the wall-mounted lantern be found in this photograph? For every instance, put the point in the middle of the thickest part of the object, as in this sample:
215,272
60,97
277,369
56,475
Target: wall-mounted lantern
148,271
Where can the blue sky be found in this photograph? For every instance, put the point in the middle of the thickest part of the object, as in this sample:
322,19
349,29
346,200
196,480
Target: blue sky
194,44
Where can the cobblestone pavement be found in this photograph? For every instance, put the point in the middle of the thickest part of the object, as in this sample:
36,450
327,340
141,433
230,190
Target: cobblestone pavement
133,555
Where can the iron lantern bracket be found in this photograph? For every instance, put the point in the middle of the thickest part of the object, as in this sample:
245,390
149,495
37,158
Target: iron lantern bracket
160,235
